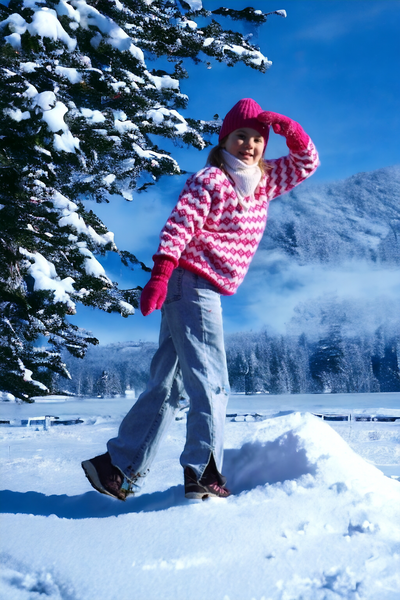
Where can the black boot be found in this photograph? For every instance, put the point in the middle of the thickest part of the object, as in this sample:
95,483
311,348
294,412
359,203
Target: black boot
212,483
106,478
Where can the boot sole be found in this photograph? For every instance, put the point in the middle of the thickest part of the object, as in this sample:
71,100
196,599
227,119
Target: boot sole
203,495
94,480
196,496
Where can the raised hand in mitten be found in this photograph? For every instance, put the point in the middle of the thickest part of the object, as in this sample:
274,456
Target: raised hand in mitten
155,291
296,138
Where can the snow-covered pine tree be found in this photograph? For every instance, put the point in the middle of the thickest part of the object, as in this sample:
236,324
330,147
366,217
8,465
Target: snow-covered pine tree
327,362
77,106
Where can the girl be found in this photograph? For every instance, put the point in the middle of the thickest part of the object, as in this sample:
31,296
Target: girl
205,250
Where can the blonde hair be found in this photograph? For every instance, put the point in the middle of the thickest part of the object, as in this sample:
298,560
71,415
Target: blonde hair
216,158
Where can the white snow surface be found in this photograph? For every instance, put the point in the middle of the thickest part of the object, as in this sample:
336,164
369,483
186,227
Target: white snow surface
310,517
94,116
70,217
16,114
54,117
254,55
27,376
71,74
46,278
29,67
186,23
114,35
164,82
163,115
44,24
195,4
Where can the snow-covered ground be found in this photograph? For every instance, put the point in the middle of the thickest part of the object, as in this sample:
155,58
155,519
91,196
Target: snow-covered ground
312,516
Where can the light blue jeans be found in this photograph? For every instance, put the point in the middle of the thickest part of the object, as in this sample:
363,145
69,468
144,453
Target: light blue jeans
191,357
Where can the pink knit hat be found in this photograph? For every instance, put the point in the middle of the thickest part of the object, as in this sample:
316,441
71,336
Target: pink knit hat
244,114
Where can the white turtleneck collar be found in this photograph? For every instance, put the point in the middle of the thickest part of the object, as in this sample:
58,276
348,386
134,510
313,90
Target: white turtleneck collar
245,177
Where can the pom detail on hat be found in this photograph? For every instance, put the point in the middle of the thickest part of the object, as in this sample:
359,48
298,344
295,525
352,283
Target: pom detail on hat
244,114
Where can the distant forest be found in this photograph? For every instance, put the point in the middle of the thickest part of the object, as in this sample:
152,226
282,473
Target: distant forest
257,362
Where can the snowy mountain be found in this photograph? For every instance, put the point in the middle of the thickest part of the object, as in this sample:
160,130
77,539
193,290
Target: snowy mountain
358,218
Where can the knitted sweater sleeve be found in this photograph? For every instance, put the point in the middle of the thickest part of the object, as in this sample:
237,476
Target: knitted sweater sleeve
287,172
186,218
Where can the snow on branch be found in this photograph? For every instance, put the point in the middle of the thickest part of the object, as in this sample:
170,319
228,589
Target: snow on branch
44,24
27,376
46,278
70,217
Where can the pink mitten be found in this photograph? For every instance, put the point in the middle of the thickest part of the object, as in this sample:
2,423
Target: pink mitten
155,291
296,138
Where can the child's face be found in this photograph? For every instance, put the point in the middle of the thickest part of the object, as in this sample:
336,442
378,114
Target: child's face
246,144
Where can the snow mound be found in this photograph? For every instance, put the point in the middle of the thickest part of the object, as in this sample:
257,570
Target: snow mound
294,446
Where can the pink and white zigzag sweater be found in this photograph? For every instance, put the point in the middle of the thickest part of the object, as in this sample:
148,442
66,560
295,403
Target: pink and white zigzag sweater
209,232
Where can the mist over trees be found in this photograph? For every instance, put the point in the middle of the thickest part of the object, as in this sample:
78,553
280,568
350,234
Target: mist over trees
79,105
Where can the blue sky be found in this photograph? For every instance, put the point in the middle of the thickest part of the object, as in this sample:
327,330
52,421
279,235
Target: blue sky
335,70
